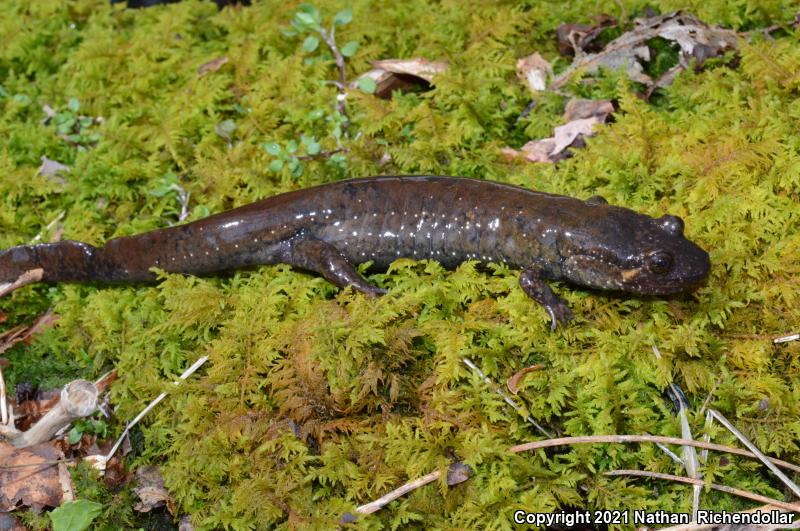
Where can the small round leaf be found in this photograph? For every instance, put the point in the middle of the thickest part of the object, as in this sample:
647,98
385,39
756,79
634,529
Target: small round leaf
273,148
367,84
349,49
310,44
343,17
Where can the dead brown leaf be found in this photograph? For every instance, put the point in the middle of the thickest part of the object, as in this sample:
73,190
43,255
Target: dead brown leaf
28,477
534,71
52,170
567,134
9,522
578,108
696,39
514,381
402,74
457,473
150,489
577,39
212,66
23,333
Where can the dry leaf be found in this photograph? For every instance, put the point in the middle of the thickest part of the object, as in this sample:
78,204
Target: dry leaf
577,39
11,337
579,108
697,40
9,522
30,485
51,169
150,489
513,382
567,134
212,66
402,74
457,473
534,71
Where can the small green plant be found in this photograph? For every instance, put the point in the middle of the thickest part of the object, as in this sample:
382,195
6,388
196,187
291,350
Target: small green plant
75,128
88,426
308,21
75,515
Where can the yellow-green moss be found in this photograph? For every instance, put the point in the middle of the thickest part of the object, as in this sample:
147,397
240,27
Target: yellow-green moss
316,400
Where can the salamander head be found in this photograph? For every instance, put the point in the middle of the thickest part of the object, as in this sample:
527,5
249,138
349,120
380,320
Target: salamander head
632,252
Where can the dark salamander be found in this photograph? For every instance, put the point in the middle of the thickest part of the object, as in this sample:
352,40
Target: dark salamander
329,228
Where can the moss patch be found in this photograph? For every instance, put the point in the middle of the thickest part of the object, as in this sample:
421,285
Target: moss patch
316,400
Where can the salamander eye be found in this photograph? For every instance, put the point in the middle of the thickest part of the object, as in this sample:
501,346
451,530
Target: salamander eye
659,262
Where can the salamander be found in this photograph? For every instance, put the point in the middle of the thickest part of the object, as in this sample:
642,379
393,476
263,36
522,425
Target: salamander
328,228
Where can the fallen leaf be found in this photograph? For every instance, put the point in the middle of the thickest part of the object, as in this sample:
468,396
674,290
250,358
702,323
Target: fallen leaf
212,66
578,108
75,515
577,39
9,522
534,71
696,39
28,478
19,333
565,135
513,382
51,169
29,412
457,473
150,489
401,74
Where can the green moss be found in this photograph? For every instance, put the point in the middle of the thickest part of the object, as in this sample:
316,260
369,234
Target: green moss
316,400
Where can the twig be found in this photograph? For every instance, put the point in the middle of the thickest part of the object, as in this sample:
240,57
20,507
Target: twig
595,439
323,154
78,400
786,339
723,488
468,362
3,402
28,277
371,507
341,84
188,372
752,447
40,463
47,228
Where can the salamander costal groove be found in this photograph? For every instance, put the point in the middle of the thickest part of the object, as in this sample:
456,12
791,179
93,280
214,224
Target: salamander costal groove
329,228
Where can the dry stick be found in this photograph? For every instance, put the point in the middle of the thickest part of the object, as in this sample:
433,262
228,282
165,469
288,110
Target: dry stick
468,362
723,488
78,400
594,439
3,402
752,447
341,84
376,505
188,372
28,277
47,228
786,339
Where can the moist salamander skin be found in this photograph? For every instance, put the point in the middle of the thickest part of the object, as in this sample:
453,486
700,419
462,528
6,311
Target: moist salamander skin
329,228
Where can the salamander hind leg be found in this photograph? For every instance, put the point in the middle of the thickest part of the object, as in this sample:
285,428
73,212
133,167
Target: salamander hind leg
325,259
532,282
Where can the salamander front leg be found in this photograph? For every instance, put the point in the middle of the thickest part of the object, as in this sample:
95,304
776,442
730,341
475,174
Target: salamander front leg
532,283
325,259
